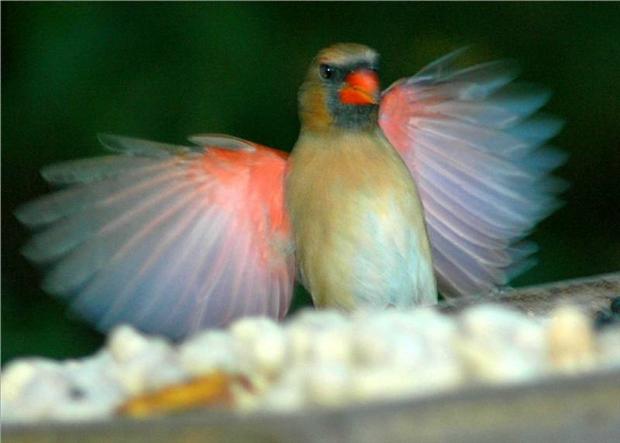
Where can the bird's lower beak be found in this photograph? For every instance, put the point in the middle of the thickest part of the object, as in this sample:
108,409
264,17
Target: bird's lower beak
361,88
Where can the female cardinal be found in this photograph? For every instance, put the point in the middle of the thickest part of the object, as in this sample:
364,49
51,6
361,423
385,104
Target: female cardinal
435,179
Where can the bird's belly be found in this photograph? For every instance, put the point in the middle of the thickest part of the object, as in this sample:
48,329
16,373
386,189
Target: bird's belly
385,263
371,250
358,224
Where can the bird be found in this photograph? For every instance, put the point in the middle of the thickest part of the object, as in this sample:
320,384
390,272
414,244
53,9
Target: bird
357,218
388,198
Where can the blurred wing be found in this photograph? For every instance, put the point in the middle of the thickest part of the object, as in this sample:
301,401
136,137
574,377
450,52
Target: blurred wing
171,239
475,150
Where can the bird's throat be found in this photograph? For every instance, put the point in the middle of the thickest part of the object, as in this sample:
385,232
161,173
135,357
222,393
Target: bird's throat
355,117
322,110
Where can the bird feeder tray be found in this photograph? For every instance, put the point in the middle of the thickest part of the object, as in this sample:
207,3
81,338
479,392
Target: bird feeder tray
574,408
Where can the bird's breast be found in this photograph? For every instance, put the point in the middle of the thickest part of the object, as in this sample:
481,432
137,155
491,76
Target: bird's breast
358,223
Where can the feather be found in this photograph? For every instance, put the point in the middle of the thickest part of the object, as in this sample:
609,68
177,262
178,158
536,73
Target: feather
475,146
221,141
171,239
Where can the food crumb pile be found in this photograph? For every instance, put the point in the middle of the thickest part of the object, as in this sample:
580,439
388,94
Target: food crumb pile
316,358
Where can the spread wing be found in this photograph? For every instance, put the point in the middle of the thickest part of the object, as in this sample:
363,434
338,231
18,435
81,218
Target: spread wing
171,239
475,147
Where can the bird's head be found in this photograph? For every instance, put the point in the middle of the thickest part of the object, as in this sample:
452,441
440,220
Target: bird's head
341,89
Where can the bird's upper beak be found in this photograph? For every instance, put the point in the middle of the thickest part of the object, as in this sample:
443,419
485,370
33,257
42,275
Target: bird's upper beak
361,87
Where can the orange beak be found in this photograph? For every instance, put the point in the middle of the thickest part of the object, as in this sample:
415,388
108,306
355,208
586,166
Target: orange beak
361,88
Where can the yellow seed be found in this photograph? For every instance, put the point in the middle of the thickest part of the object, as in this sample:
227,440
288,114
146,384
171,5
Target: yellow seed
571,341
214,389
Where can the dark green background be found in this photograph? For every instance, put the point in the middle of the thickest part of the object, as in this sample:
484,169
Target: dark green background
166,70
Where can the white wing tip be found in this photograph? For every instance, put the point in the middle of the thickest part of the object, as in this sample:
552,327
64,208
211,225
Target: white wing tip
141,147
222,141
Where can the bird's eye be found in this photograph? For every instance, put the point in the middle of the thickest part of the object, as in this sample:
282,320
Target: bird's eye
327,71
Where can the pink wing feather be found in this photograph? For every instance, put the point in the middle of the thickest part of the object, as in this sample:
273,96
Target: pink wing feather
476,152
171,239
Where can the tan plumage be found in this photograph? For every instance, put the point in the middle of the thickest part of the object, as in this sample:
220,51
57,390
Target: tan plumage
357,218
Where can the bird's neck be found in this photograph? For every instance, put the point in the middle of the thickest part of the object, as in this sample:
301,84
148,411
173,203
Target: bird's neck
356,118
336,141
323,112
334,138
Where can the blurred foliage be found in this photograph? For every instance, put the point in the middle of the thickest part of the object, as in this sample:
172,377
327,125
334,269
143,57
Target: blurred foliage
165,70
